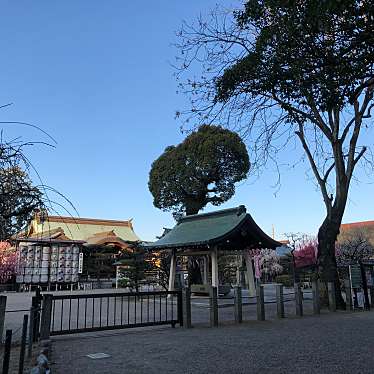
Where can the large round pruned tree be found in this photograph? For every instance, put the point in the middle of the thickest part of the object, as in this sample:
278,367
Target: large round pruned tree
290,71
202,169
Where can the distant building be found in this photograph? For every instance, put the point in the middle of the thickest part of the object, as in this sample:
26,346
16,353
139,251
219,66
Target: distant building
364,227
55,249
90,230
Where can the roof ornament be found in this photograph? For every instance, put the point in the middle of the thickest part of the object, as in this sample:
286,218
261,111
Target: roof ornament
241,209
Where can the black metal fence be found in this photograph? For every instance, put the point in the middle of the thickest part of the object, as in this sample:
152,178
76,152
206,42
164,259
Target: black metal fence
72,314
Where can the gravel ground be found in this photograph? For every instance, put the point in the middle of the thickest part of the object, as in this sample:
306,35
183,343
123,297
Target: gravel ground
330,343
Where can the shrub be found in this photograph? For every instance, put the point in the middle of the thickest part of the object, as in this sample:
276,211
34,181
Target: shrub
284,279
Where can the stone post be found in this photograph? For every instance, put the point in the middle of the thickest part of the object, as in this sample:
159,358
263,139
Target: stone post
298,300
331,295
348,295
2,315
280,300
238,305
316,297
213,304
45,325
372,296
260,302
186,308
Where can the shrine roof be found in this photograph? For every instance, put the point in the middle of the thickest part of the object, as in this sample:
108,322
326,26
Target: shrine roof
229,229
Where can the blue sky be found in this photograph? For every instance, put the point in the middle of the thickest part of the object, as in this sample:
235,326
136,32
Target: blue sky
97,76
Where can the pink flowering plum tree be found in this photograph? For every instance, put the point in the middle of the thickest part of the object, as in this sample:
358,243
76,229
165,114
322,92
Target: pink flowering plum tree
8,262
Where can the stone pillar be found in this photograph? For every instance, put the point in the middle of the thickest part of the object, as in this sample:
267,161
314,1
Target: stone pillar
298,300
250,274
348,295
45,324
186,308
214,257
2,315
213,304
238,305
331,294
316,297
173,268
280,300
260,302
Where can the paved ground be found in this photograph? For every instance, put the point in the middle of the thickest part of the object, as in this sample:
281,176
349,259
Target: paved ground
331,343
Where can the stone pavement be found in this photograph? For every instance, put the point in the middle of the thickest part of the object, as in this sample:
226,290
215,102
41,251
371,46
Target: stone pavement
331,343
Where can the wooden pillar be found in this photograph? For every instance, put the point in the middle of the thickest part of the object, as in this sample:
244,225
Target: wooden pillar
238,266
250,275
214,257
173,268
116,276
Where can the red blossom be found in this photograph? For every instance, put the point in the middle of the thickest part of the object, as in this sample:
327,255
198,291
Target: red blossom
306,254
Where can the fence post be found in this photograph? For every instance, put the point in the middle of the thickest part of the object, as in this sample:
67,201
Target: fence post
7,348
179,307
238,304
331,293
260,302
213,303
298,300
186,308
45,325
316,298
280,300
35,321
31,332
371,296
348,295
2,315
23,344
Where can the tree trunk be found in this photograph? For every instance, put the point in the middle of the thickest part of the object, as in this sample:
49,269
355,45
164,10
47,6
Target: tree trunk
193,206
327,236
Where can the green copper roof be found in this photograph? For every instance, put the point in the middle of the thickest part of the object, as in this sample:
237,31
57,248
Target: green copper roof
226,228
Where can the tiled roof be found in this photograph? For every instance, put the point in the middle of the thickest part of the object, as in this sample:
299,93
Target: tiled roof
228,227
354,225
82,228
365,227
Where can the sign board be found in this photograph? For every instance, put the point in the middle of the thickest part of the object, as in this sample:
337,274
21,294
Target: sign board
356,278
80,264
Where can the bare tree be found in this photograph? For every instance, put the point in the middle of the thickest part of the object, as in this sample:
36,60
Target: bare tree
284,74
19,194
354,246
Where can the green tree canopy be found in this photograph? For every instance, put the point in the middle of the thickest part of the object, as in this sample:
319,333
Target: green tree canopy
202,169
